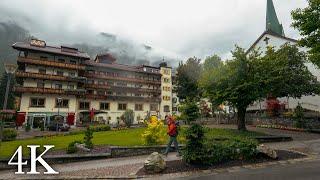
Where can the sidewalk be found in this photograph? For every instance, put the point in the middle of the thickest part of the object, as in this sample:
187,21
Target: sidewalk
115,167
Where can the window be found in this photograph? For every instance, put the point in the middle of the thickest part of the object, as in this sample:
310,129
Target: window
104,106
37,102
42,71
121,84
60,73
166,98
121,93
40,84
175,109
101,92
90,81
138,107
58,86
166,108
166,80
174,100
84,105
61,60
62,103
137,95
43,57
166,88
70,86
109,92
101,82
73,62
122,107
153,107
72,74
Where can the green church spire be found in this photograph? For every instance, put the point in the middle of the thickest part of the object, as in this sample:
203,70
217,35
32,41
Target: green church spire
272,22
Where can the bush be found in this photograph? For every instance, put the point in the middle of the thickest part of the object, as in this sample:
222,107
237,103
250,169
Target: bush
200,150
9,134
100,128
298,117
128,117
155,133
88,135
194,149
72,147
189,110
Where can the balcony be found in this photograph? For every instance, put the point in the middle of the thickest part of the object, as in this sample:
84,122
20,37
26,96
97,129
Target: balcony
97,86
50,77
123,98
102,76
38,61
20,89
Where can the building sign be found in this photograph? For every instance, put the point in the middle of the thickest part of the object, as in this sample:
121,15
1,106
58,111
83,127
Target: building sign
37,42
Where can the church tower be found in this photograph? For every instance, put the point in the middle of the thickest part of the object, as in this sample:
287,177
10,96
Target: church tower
272,22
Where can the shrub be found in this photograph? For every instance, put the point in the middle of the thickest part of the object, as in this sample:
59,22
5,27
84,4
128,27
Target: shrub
298,117
88,135
200,150
100,128
9,134
72,147
128,117
194,149
155,133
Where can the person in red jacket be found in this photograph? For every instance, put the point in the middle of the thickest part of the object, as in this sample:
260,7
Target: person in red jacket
173,133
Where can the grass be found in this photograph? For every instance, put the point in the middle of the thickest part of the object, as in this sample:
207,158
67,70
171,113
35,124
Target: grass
128,137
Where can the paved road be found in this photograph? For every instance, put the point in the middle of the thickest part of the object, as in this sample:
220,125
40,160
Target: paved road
299,171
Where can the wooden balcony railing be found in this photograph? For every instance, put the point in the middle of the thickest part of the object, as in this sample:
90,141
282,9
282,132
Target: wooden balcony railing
101,76
48,90
120,88
49,77
38,61
123,98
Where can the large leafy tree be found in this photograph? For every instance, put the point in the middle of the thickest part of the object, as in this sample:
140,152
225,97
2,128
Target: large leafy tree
188,74
307,21
248,78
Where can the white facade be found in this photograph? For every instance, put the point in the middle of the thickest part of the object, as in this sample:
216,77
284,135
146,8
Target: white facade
307,102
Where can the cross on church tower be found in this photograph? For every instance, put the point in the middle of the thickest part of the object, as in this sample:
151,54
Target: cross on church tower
266,40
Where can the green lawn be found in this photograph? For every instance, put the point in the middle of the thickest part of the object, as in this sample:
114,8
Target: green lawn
129,137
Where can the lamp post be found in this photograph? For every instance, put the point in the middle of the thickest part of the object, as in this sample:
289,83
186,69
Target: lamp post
10,70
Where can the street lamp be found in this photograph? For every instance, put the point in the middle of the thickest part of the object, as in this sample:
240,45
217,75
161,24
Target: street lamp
10,70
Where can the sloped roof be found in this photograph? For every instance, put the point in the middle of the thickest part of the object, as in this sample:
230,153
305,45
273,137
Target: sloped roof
51,49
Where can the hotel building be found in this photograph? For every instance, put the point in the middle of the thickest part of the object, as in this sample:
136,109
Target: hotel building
64,82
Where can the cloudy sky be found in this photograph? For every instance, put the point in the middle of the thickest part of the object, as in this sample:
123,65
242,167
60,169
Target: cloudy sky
176,28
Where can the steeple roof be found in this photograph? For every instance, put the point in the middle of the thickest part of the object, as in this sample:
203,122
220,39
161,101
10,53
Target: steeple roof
272,22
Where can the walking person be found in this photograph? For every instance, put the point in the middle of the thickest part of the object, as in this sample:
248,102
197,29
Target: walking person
173,133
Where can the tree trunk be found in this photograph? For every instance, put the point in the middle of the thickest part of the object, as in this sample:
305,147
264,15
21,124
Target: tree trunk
242,119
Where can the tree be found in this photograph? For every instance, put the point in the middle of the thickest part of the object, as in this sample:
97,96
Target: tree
248,78
187,78
189,110
128,117
307,21
11,95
